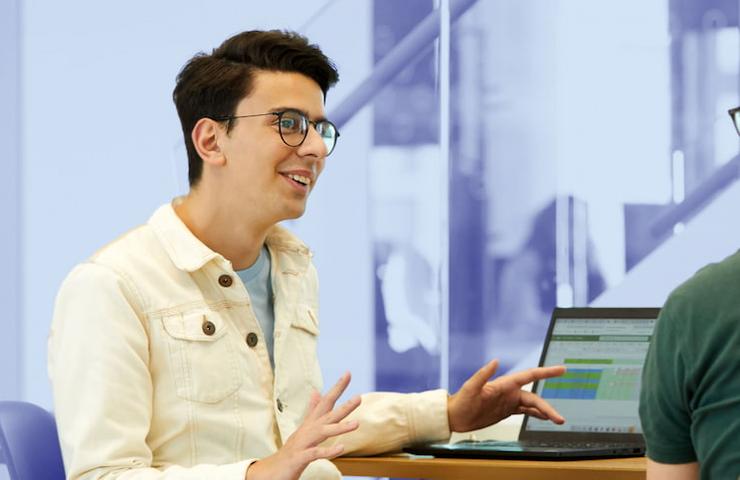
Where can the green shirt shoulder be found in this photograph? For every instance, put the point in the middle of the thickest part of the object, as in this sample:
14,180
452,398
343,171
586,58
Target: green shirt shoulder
690,398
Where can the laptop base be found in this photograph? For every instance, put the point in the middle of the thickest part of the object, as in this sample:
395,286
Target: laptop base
522,450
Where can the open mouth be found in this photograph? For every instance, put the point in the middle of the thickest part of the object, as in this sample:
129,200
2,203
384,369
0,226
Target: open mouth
299,179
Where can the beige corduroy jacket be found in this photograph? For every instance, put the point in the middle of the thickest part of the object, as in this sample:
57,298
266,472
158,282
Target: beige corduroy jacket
160,372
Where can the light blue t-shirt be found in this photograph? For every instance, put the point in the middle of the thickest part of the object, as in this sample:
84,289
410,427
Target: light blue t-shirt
258,281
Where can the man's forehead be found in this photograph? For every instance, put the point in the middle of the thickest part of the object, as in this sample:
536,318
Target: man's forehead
273,90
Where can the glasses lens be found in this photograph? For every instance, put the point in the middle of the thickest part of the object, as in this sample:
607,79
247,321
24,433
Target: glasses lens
328,133
293,127
736,119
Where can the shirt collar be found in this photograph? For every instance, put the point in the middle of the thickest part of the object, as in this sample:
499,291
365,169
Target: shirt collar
188,253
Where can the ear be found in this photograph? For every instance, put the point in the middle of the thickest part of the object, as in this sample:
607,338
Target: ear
205,136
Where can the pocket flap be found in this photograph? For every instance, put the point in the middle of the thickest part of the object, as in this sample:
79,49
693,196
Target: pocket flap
306,319
195,326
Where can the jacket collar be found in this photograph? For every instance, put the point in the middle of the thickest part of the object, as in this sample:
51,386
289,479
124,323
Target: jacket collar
188,253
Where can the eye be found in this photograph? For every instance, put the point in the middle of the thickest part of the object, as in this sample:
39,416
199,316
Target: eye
291,122
288,123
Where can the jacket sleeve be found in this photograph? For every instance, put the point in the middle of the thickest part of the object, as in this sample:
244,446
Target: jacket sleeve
98,366
391,421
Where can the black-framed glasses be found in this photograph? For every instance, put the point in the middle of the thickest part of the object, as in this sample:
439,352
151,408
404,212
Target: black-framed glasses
293,127
735,116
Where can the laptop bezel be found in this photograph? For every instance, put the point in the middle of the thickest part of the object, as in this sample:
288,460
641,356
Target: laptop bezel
621,313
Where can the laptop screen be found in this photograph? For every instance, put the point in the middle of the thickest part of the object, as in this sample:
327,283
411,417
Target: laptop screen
601,388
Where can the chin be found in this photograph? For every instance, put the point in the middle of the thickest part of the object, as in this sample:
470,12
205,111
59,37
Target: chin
294,214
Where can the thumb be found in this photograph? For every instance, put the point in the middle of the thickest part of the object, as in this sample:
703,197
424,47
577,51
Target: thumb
479,378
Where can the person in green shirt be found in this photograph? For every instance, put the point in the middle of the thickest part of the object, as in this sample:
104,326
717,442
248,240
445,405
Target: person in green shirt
690,397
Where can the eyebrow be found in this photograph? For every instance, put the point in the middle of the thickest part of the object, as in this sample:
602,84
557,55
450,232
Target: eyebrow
305,113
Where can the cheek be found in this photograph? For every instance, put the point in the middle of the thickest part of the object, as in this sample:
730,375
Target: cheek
262,160
320,167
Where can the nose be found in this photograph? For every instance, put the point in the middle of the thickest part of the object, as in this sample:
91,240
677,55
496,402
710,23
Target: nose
313,145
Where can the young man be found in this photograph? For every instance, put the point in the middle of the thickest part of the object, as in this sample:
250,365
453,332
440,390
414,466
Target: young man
690,398
187,348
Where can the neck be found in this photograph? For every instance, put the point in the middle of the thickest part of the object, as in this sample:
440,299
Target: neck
223,228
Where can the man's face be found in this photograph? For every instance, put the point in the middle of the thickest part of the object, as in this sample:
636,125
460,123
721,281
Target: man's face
263,174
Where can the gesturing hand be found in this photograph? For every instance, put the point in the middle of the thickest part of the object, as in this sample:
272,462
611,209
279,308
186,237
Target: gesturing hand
480,403
322,421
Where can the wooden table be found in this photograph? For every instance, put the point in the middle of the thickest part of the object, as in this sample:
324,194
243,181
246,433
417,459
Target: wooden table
405,466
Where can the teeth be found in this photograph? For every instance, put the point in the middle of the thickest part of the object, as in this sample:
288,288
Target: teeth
299,178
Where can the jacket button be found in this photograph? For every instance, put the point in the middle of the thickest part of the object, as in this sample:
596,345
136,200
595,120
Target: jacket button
252,339
225,280
209,328
280,406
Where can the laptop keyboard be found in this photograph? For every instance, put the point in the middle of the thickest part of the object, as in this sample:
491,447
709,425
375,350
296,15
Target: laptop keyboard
545,444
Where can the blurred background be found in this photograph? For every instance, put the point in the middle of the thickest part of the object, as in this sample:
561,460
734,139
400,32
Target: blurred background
497,158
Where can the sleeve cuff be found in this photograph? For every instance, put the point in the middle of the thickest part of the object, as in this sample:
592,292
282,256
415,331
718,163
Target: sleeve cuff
427,413
671,454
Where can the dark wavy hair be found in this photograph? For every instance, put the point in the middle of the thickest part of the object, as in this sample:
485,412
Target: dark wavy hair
212,85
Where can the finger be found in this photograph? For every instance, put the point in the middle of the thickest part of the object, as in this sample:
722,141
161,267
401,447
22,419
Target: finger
540,373
529,399
312,402
326,403
316,453
336,391
532,412
345,409
314,434
480,377
315,398
339,428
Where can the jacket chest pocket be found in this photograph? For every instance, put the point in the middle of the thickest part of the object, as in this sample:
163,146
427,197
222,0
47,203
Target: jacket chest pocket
203,357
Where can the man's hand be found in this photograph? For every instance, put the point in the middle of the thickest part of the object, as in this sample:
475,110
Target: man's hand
302,448
480,403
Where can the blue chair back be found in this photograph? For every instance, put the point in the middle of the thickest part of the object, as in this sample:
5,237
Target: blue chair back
29,442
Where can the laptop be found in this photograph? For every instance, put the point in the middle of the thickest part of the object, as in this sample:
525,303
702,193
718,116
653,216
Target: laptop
604,351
